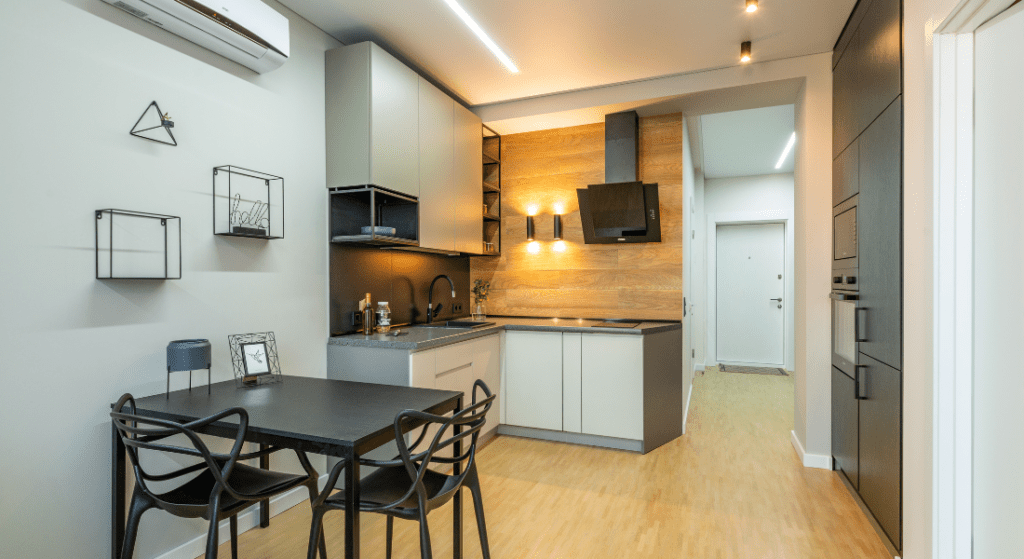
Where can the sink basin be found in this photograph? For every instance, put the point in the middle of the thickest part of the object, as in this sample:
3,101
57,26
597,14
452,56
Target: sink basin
468,324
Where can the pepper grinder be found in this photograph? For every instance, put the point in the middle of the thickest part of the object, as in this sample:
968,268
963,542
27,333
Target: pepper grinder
368,316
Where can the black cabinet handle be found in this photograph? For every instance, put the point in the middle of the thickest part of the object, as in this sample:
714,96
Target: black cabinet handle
856,325
859,392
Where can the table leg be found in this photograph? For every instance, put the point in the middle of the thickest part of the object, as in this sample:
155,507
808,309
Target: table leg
457,500
265,504
352,506
118,471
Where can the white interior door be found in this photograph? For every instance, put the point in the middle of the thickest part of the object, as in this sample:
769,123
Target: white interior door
750,283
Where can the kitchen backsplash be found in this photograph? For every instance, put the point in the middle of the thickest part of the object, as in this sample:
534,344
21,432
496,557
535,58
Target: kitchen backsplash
399,277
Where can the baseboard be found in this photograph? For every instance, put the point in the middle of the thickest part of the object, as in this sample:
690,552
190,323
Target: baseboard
820,461
246,521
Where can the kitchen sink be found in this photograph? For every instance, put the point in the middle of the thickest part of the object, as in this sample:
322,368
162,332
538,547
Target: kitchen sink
458,324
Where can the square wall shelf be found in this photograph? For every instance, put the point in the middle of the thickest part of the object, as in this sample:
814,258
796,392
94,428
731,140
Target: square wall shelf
137,245
247,203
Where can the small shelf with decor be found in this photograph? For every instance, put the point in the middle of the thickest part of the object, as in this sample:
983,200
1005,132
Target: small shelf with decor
371,215
247,203
491,192
137,245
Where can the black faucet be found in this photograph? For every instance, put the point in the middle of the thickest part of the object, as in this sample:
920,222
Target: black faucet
431,311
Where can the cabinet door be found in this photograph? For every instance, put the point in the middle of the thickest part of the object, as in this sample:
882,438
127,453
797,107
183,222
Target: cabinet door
879,68
437,164
394,124
880,443
572,382
879,237
469,232
846,174
613,386
845,427
533,379
487,367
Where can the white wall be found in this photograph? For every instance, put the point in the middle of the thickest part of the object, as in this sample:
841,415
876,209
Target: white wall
688,281
76,75
700,266
998,300
920,19
743,199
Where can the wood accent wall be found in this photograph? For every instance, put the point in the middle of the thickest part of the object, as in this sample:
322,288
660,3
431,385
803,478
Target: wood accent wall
544,169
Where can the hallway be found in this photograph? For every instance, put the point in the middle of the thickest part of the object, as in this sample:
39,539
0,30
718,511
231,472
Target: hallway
730,488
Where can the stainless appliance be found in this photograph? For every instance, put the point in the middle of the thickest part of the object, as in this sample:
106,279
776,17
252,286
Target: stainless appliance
844,246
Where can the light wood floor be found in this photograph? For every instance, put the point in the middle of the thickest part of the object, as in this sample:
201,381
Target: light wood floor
731,487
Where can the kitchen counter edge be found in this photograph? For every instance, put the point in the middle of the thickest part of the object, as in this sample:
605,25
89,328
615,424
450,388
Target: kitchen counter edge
440,337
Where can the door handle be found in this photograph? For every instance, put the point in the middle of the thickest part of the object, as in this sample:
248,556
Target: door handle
859,392
856,325
778,299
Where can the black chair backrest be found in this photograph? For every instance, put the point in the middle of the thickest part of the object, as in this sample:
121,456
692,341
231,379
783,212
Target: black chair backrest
140,433
471,420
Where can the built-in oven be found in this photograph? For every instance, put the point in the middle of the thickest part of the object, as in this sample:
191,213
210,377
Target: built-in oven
844,246
846,309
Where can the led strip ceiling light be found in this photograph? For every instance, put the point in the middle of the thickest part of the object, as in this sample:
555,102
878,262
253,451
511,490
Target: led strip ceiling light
479,32
785,152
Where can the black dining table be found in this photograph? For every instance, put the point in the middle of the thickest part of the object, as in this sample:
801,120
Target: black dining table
331,417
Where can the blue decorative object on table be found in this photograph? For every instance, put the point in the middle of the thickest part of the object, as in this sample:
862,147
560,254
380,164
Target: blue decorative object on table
189,355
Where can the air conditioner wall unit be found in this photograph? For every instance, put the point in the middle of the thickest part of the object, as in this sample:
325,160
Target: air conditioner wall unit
246,31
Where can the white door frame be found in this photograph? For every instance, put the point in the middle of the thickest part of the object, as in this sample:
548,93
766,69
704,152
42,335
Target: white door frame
744,218
953,218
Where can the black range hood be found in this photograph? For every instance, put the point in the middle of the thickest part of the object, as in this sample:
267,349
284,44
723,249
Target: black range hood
623,209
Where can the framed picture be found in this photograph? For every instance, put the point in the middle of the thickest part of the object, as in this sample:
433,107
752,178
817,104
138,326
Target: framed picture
254,359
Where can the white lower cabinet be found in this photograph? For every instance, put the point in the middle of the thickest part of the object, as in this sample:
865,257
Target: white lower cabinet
613,386
457,367
572,383
533,379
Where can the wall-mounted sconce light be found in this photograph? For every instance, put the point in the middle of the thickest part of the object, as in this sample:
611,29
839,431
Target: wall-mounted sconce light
745,51
751,6
558,227
529,228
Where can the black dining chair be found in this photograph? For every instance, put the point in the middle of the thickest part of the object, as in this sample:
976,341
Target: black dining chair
223,487
406,487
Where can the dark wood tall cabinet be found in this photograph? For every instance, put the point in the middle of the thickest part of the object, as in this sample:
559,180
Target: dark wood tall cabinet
867,149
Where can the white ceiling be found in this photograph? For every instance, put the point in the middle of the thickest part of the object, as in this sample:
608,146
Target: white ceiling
746,143
568,45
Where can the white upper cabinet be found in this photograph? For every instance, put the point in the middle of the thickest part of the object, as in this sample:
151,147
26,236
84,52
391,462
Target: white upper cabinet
469,232
438,196
372,120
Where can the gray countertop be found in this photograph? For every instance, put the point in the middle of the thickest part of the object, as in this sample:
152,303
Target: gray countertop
418,338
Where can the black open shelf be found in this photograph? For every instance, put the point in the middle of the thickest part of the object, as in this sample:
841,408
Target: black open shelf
147,246
247,203
491,191
353,208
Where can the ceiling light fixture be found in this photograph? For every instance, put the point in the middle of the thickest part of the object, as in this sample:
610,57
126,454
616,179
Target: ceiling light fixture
479,32
751,6
785,152
745,51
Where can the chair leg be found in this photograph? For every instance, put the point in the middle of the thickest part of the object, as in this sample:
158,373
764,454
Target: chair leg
140,504
316,535
313,494
234,537
213,535
425,552
391,533
481,524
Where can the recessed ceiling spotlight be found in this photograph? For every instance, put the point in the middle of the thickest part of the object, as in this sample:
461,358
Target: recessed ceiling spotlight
751,6
745,51
480,34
